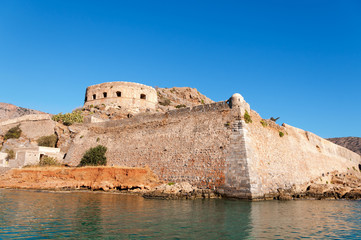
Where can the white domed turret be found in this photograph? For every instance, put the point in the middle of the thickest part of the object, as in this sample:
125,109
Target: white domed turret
238,102
236,99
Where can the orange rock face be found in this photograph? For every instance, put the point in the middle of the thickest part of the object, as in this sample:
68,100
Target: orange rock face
94,178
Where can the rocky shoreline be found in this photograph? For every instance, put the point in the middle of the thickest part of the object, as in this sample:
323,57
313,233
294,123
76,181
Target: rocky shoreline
143,182
182,190
332,185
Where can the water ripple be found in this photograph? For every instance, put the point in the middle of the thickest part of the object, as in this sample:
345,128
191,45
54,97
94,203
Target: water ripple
49,215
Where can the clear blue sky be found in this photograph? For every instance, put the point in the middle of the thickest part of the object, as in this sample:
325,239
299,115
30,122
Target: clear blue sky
297,60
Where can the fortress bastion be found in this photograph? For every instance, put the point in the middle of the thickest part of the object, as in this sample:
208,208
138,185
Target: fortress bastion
133,97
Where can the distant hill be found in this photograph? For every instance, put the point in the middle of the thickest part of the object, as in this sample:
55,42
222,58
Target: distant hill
8,111
352,143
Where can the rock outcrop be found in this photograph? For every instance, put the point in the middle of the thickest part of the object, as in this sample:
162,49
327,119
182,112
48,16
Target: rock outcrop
332,185
178,97
89,178
182,190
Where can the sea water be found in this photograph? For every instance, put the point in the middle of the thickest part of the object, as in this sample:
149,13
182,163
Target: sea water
88,215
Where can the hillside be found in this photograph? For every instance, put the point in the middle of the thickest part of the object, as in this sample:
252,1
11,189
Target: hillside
352,143
177,97
8,111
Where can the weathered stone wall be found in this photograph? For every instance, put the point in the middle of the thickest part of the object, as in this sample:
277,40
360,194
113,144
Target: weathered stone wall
32,126
134,97
189,144
212,146
292,160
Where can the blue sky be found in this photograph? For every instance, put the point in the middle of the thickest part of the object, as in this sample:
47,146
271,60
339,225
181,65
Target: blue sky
297,60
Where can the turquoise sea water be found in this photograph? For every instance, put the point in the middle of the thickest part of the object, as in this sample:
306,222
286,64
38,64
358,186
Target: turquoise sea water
86,215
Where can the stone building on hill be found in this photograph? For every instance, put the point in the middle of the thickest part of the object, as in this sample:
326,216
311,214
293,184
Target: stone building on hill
133,97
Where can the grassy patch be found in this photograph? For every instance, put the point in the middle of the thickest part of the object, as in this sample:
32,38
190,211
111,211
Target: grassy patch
247,117
11,154
281,134
264,123
48,141
69,118
94,157
48,161
180,106
14,132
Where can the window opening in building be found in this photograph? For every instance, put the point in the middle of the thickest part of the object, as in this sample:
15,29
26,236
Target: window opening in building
143,96
105,94
119,94
94,96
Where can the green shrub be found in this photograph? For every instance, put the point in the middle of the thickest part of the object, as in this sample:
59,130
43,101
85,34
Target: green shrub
171,183
247,117
14,132
69,118
48,141
180,106
165,102
48,161
94,157
202,101
264,123
281,134
11,154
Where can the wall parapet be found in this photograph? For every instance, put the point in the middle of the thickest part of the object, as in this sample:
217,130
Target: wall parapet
30,117
148,117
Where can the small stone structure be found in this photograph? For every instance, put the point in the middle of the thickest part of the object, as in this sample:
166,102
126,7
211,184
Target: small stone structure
31,156
3,161
133,97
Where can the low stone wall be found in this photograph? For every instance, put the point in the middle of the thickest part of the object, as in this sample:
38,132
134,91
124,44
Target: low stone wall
33,126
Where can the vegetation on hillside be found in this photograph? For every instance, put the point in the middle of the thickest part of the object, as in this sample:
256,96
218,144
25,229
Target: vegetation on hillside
48,141
94,157
14,132
48,161
11,154
247,117
69,118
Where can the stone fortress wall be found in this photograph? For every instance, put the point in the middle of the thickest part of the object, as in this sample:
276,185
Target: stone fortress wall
209,145
130,96
212,146
187,144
